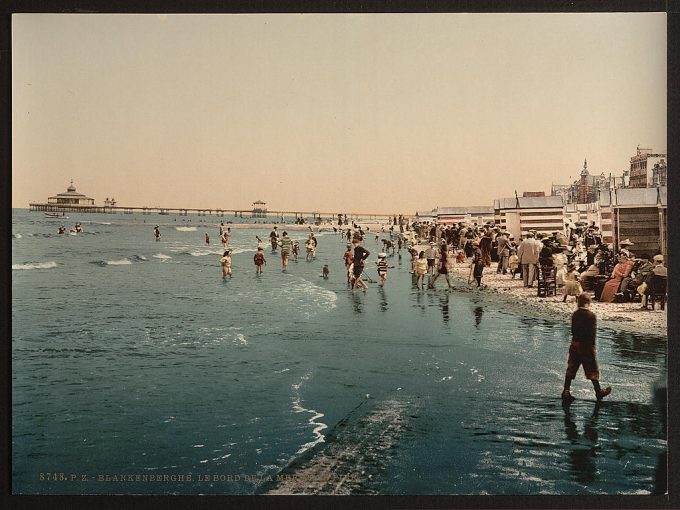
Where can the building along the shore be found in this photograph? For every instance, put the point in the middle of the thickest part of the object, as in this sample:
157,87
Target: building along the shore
642,165
637,214
471,214
518,215
582,213
425,216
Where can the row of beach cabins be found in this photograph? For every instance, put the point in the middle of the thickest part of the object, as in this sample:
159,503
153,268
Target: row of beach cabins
638,214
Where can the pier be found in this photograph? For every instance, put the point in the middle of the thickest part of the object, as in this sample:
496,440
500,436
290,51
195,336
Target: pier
216,212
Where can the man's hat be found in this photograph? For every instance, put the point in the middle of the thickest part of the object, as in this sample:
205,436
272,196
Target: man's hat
626,242
658,258
382,255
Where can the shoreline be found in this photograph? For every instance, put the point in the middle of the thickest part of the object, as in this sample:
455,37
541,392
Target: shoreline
617,316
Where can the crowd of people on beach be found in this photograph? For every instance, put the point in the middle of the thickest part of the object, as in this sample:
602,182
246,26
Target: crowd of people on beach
567,263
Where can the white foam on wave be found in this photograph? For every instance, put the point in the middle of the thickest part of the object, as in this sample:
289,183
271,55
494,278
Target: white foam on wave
185,229
161,256
308,298
204,252
17,236
316,415
235,251
40,265
121,262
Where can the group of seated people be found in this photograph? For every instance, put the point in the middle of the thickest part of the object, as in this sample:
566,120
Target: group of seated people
612,277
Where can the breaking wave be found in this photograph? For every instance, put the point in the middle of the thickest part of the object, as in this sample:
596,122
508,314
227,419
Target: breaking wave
39,265
185,229
316,415
161,256
120,262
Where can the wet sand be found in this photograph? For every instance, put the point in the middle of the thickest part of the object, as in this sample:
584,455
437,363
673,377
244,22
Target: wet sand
619,316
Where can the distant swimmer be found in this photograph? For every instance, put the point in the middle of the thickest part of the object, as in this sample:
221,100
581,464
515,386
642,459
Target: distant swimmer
226,264
286,246
325,272
62,229
296,250
207,238
227,235
78,228
221,228
260,243
259,260
157,233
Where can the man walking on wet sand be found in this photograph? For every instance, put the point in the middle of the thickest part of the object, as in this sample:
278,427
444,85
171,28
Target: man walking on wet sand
582,350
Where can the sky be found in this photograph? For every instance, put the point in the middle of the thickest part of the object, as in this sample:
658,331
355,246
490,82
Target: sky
382,113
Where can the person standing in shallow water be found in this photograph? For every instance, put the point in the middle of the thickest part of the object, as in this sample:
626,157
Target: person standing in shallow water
274,239
286,246
347,258
360,256
582,350
226,264
443,267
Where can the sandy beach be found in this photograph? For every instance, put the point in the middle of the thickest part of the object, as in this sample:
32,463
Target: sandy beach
619,316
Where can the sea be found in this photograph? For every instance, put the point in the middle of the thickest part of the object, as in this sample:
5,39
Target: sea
136,369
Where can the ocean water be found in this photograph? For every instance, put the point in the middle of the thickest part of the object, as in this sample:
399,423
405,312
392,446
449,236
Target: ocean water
133,357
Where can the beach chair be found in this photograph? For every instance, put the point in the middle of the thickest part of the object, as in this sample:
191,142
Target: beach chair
547,281
657,291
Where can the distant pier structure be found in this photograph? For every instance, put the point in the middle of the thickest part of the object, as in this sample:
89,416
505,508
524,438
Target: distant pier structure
72,201
259,209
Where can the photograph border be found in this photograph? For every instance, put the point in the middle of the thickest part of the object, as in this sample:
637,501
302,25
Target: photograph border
671,500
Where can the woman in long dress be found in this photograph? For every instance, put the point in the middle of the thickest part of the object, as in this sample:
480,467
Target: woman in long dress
621,270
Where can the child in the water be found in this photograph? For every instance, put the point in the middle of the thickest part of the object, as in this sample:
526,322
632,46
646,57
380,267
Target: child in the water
259,260
382,267
421,269
325,272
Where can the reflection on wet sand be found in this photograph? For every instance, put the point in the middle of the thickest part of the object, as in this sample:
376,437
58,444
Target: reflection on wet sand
582,457
478,312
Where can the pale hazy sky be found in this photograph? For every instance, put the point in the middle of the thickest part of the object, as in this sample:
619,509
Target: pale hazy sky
367,113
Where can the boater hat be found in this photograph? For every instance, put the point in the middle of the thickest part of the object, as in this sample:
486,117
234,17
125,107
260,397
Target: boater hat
626,242
382,255
658,258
